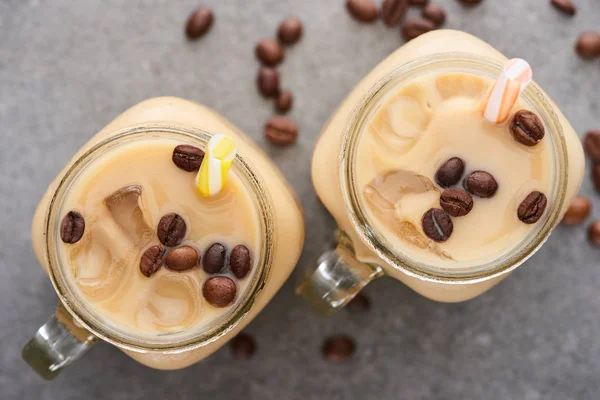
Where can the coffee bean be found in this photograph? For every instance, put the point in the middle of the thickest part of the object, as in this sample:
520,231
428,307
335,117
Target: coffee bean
214,258
470,2
360,303
527,128
591,145
450,172
199,22
290,30
338,348
588,45
188,158
456,202
392,11
594,233
268,81
72,227
171,230
281,130
182,258
413,27
240,261
243,346
362,10
219,291
437,225
566,6
481,184
596,176
578,211
419,3
284,101
269,52
435,14
532,208
152,260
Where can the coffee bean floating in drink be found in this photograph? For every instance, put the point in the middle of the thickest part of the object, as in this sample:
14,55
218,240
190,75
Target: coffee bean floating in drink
281,130
392,11
527,128
414,27
171,230
481,184
214,258
240,261
188,158
578,211
450,172
362,10
456,202
219,291
268,81
338,348
269,52
591,145
437,225
435,14
152,260
72,227
532,207
182,258
199,22
290,30
243,346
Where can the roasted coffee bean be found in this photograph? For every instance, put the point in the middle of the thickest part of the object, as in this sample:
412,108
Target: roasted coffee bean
588,45
187,157
437,225
470,2
532,208
269,52
72,227
392,11
456,202
243,346
171,230
284,101
578,211
199,22
419,3
268,81
594,233
240,261
591,145
481,184
362,10
596,176
360,303
182,258
413,27
527,128
566,6
281,130
338,348
435,14
214,258
450,172
290,30
152,260
219,291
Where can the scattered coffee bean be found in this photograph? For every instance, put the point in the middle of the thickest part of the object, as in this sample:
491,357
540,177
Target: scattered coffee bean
419,3
392,11
152,260
437,225
187,157
527,128
72,227
290,30
171,230
360,303
450,172
240,261
588,45
338,348
243,346
481,184
219,291
281,130
413,27
214,258
566,6
268,81
532,208
596,176
182,258
362,10
199,22
284,101
591,145
594,233
578,211
456,202
435,14
269,52
470,2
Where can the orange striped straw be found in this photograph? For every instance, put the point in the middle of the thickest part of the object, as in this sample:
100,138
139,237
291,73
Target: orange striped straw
513,79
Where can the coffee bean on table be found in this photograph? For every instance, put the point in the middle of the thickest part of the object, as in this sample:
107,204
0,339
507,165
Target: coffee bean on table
532,207
596,176
338,348
362,10
437,225
268,81
450,172
456,202
152,260
269,52
435,14
594,233
281,130
481,184
199,22
527,128
240,261
392,11
219,291
72,227
578,211
182,258
470,2
591,145
566,6
418,3
188,158
290,30
413,27
243,346
360,303
214,258
284,101
171,229
588,45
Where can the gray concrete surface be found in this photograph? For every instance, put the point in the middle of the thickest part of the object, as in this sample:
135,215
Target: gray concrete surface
68,67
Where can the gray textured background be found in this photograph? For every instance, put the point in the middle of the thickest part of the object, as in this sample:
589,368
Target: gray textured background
68,67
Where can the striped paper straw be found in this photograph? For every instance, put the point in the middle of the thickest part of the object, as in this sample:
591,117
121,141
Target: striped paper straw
219,156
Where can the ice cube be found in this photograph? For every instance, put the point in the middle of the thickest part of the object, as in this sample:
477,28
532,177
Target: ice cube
409,232
460,85
127,210
389,187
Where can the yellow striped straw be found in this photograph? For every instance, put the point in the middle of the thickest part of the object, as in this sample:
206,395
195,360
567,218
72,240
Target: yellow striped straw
219,156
